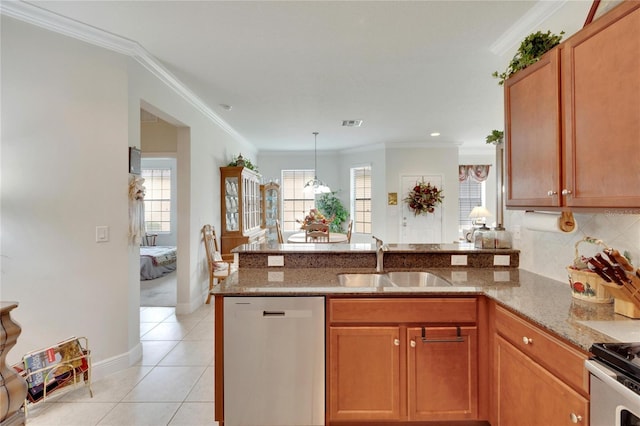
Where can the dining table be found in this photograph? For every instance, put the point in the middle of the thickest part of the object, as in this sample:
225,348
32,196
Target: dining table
334,237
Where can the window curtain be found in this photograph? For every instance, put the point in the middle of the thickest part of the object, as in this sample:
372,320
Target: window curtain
477,172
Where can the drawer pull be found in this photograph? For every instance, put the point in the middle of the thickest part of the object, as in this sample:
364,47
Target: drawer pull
396,342
459,338
413,343
575,418
527,340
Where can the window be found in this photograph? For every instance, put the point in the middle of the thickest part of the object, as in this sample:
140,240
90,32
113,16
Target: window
157,199
295,203
361,199
471,195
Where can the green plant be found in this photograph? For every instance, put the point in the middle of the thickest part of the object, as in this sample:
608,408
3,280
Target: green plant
495,137
245,162
531,49
331,206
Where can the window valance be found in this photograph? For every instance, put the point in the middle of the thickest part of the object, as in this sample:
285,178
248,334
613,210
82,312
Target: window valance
478,172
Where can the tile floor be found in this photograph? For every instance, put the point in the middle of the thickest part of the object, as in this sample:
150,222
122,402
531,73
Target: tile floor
171,385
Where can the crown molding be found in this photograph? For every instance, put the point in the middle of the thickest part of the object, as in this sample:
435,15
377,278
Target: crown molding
531,20
42,18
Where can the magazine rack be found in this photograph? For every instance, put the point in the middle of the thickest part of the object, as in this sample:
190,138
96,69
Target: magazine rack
56,367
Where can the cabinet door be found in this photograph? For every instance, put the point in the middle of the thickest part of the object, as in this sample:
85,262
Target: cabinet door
364,373
601,94
532,130
528,395
442,373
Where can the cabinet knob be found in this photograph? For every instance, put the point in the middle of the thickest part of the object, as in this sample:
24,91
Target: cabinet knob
396,342
551,193
527,340
413,343
566,191
575,418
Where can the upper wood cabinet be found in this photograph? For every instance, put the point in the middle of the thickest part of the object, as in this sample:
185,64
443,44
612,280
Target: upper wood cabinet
572,120
601,105
240,207
532,129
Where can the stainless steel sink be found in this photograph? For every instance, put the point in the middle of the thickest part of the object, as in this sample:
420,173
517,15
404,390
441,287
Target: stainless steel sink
416,279
392,279
364,280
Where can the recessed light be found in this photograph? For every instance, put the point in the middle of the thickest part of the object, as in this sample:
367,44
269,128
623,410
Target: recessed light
352,123
434,134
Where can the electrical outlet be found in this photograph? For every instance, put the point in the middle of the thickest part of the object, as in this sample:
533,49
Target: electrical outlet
275,260
501,260
458,259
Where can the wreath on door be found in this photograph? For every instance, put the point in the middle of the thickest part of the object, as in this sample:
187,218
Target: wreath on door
424,198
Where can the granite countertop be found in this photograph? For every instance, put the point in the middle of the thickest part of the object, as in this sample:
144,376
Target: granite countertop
545,302
456,248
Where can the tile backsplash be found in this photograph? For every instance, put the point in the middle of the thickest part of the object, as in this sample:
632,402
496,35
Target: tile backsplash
549,253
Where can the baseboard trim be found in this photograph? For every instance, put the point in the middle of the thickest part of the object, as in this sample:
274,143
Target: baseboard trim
117,363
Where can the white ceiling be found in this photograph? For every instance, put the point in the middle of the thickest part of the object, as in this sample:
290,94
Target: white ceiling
289,68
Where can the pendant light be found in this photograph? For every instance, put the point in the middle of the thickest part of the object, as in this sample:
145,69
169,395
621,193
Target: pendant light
315,186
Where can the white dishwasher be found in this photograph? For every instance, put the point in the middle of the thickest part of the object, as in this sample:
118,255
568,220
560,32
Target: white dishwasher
274,356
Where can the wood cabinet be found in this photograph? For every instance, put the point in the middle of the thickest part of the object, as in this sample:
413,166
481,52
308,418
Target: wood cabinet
270,209
571,120
405,359
538,379
240,207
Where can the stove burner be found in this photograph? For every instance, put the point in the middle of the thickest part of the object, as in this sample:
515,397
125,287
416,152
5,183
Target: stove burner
624,357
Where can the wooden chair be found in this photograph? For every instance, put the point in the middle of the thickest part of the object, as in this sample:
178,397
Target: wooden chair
279,232
219,266
316,233
349,229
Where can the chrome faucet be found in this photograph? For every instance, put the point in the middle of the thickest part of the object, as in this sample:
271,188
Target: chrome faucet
379,254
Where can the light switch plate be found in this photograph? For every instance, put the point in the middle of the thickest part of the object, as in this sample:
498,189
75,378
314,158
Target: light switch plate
102,234
501,260
458,259
275,260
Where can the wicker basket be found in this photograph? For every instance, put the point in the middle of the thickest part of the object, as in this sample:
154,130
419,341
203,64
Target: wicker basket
585,284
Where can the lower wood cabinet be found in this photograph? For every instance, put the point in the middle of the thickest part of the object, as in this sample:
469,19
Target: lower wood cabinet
384,364
538,380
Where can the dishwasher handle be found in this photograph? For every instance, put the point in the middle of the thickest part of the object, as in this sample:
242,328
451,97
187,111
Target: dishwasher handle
273,313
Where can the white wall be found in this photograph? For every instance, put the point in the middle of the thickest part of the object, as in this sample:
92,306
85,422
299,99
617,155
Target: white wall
69,112
64,159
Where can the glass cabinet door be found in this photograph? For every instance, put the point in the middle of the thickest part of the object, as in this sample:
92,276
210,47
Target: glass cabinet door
232,204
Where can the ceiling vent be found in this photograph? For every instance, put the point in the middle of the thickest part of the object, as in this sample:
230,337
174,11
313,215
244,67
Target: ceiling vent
351,123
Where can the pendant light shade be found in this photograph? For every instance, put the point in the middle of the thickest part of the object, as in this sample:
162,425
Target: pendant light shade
315,185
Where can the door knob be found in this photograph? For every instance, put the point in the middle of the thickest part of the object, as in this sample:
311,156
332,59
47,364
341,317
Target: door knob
575,418
396,342
527,340
566,192
413,343
552,193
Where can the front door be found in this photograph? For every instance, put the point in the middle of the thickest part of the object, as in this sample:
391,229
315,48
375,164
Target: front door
420,229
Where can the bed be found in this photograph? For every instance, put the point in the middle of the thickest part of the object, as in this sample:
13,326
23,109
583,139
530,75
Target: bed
156,261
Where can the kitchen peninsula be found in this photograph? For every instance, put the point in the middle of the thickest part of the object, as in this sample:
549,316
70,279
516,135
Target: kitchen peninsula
479,332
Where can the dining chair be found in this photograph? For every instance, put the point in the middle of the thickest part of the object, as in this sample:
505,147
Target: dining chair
316,233
349,228
220,266
279,232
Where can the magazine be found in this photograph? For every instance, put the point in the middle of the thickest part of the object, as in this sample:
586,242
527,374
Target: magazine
54,366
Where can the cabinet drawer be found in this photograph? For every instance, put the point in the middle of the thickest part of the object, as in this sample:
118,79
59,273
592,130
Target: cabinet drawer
558,357
398,311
